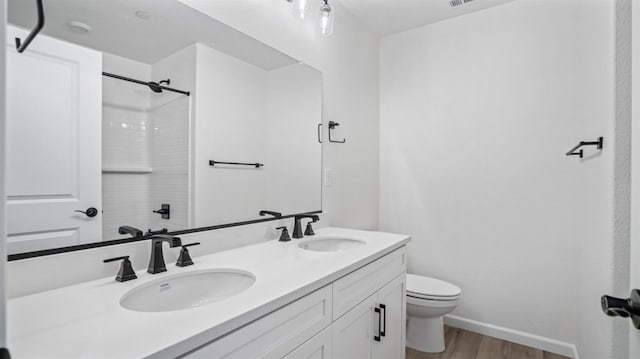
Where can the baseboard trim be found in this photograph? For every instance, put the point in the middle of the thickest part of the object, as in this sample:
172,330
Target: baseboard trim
515,336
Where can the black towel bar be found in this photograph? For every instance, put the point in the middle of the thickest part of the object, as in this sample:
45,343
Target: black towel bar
599,143
256,165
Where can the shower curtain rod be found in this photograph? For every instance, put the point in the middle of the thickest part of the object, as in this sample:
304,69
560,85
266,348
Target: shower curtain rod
123,78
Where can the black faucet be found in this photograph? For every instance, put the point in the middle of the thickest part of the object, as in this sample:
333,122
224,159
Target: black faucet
134,232
297,226
156,262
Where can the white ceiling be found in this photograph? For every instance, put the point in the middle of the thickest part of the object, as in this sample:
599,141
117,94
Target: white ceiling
386,17
172,26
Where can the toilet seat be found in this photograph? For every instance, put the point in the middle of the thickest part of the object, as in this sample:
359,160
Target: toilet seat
426,288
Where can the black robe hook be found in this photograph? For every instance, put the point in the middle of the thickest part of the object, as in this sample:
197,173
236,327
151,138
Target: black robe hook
20,45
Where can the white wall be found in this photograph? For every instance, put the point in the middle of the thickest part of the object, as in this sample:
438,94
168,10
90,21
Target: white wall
230,124
476,115
294,173
349,63
244,113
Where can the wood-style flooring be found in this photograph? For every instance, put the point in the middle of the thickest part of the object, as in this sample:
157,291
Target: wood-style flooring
462,344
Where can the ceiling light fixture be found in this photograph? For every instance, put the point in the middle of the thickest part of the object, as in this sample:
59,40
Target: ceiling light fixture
303,9
143,15
78,27
326,19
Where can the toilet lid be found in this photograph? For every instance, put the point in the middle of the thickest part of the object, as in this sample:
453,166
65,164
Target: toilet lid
420,286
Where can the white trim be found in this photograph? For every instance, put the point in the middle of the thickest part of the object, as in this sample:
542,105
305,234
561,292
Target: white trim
634,275
514,336
3,243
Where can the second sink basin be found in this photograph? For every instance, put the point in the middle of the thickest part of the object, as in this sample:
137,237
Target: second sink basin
330,244
187,290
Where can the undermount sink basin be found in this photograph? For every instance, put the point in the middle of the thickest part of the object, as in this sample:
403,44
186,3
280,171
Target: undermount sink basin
188,290
331,244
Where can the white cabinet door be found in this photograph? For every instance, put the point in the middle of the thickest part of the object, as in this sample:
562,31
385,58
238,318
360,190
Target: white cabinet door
53,143
353,332
392,302
375,328
318,347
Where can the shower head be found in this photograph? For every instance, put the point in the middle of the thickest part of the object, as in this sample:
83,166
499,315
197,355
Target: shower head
157,86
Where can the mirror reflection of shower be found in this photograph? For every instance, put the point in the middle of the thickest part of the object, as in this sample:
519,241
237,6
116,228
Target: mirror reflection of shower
157,86
145,148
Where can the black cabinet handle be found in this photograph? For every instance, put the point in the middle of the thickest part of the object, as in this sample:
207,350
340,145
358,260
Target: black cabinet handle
90,212
378,311
384,322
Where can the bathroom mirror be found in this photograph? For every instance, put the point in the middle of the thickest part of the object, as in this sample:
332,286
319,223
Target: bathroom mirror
149,114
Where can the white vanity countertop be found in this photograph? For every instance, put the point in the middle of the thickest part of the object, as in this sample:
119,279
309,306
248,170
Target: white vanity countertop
87,321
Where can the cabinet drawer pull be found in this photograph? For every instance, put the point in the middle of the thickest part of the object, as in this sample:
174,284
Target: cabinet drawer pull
384,321
377,310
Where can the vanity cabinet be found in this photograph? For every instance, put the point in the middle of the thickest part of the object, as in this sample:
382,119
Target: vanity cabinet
318,347
338,321
276,334
375,327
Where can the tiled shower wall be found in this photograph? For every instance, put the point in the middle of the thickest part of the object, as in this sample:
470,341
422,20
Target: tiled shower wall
145,137
170,161
125,196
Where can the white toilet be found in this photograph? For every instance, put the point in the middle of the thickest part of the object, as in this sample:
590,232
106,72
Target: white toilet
428,300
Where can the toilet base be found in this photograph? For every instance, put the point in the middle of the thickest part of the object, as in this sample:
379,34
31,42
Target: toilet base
425,334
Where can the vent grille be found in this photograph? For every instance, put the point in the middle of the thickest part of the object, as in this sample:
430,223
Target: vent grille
455,3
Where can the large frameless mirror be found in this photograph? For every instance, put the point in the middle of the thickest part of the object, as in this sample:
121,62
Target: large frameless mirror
150,115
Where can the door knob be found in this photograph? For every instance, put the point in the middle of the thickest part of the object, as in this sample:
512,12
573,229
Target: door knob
90,212
625,308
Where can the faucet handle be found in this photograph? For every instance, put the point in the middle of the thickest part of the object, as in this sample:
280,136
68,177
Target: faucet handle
126,271
309,230
184,259
284,236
